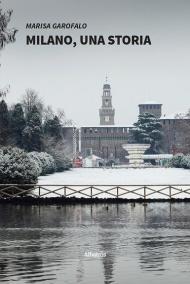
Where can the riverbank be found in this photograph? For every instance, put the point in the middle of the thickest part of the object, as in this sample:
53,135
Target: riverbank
28,200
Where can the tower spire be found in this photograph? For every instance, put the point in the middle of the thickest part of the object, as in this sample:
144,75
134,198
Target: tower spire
106,112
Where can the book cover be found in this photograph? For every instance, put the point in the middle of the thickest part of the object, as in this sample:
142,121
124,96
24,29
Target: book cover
94,141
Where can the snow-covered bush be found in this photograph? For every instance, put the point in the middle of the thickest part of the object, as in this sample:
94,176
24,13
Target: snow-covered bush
44,162
16,167
185,162
62,163
35,159
176,160
180,161
47,162
58,150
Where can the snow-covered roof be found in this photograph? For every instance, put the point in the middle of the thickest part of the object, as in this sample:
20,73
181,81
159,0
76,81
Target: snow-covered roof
93,157
150,103
180,115
100,126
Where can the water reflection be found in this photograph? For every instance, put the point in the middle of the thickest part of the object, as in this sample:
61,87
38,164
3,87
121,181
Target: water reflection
52,244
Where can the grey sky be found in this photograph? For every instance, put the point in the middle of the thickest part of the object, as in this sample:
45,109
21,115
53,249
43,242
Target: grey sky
72,78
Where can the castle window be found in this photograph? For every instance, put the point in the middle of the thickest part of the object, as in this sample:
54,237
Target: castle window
85,130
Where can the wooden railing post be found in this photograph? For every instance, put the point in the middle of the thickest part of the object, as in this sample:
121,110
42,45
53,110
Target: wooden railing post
117,192
91,191
144,193
39,191
170,192
65,191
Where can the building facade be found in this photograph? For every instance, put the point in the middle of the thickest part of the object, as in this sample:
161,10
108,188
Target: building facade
176,135
105,142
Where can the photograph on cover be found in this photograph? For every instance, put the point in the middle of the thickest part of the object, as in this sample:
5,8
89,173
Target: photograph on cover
94,141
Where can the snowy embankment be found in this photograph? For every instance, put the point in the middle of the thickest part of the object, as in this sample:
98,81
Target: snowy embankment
118,177
149,176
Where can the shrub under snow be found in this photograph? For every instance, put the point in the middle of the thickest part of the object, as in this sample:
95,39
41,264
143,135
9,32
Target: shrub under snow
181,161
176,160
44,162
185,162
62,163
16,167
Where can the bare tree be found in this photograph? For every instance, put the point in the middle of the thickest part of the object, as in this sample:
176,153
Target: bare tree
48,113
60,113
4,92
30,99
68,122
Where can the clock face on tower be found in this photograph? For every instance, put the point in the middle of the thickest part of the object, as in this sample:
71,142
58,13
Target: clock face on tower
107,118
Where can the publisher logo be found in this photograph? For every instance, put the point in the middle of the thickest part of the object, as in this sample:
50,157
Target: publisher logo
95,254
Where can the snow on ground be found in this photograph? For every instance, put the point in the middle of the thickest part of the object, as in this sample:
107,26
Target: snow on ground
75,178
101,176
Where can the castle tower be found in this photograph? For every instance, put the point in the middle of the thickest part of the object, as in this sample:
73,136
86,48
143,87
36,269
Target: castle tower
106,112
151,107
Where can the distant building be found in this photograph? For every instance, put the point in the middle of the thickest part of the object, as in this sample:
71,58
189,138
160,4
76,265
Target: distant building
176,135
105,140
175,129
151,107
71,138
106,112
92,161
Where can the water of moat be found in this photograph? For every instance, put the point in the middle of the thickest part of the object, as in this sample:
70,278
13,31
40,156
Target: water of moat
95,243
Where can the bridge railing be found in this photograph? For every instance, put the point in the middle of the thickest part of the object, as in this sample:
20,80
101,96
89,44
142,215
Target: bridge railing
95,191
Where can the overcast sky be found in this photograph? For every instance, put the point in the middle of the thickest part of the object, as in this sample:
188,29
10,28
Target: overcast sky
72,78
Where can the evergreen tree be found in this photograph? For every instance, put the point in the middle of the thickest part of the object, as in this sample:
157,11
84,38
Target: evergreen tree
52,128
55,145
32,133
17,125
148,130
4,123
